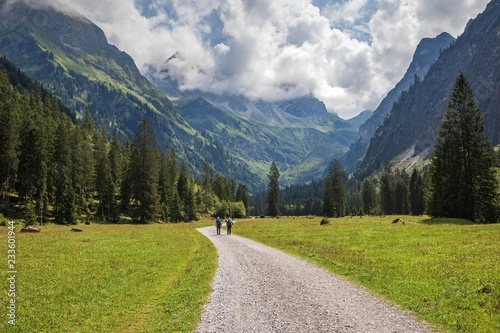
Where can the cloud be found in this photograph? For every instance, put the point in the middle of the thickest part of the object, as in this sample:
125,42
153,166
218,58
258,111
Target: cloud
348,53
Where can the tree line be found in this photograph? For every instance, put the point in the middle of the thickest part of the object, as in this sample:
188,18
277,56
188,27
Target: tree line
55,168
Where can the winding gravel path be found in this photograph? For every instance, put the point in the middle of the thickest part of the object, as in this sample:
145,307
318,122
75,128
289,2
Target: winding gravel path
260,289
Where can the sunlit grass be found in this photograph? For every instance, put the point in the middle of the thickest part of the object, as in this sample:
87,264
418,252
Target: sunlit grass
445,271
110,278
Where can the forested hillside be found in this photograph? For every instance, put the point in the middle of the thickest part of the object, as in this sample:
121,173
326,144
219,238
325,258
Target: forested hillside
53,169
72,58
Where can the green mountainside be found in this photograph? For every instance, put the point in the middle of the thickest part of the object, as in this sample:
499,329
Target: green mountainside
301,149
70,56
409,133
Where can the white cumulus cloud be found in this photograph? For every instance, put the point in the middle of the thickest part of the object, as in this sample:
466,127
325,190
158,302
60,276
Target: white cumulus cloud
348,53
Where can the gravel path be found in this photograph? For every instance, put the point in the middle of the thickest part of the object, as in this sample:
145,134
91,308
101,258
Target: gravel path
259,289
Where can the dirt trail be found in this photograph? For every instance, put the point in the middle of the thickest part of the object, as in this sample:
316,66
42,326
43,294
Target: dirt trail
259,289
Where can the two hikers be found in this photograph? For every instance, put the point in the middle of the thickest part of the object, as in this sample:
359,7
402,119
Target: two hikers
218,224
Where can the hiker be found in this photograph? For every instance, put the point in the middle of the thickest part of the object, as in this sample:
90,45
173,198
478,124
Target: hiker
218,224
229,224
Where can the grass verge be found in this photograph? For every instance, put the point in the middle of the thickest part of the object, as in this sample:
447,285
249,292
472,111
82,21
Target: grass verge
445,271
110,278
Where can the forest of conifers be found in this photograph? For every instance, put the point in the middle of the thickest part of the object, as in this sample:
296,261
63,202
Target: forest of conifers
54,167
58,167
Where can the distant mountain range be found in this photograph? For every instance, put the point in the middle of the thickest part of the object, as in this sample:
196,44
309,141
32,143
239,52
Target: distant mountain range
240,137
407,136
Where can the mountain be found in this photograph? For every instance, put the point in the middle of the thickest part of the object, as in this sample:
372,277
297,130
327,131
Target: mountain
409,133
71,57
300,135
426,53
360,119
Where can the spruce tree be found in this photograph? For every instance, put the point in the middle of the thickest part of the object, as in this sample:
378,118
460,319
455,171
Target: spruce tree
144,173
334,200
9,139
369,195
273,191
417,193
242,195
185,190
401,195
386,191
207,181
104,184
463,182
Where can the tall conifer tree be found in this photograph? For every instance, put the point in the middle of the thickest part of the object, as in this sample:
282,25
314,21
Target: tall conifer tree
334,200
144,173
273,191
462,175
369,195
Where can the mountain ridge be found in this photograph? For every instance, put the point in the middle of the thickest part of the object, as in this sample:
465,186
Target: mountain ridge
426,53
71,56
413,123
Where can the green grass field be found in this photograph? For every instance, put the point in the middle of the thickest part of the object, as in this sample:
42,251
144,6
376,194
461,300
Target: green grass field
109,278
156,278
446,271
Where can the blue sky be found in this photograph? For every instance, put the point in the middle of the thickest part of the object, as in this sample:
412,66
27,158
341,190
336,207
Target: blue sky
347,53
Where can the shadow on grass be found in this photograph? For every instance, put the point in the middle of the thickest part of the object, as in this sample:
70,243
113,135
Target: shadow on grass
437,221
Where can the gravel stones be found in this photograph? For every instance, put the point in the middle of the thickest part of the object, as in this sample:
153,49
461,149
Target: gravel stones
260,289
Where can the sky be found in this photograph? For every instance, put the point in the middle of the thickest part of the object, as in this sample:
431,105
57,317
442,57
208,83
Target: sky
347,53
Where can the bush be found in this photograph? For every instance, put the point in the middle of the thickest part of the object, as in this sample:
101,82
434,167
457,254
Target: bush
233,209
238,209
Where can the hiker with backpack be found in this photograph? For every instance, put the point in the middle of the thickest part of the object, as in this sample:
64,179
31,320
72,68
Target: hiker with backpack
218,224
229,224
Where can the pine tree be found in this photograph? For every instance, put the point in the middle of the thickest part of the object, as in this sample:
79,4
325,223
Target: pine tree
185,190
242,195
386,191
9,139
144,173
207,181
417,193
369,197
463,182
273,191
334,200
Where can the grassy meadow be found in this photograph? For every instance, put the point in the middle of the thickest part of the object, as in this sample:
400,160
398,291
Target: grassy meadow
109,278
445,271
156,278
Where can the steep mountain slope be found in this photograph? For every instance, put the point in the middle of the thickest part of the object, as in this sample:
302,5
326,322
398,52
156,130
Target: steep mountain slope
425,55
410,131
71,56
360,119
299,135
